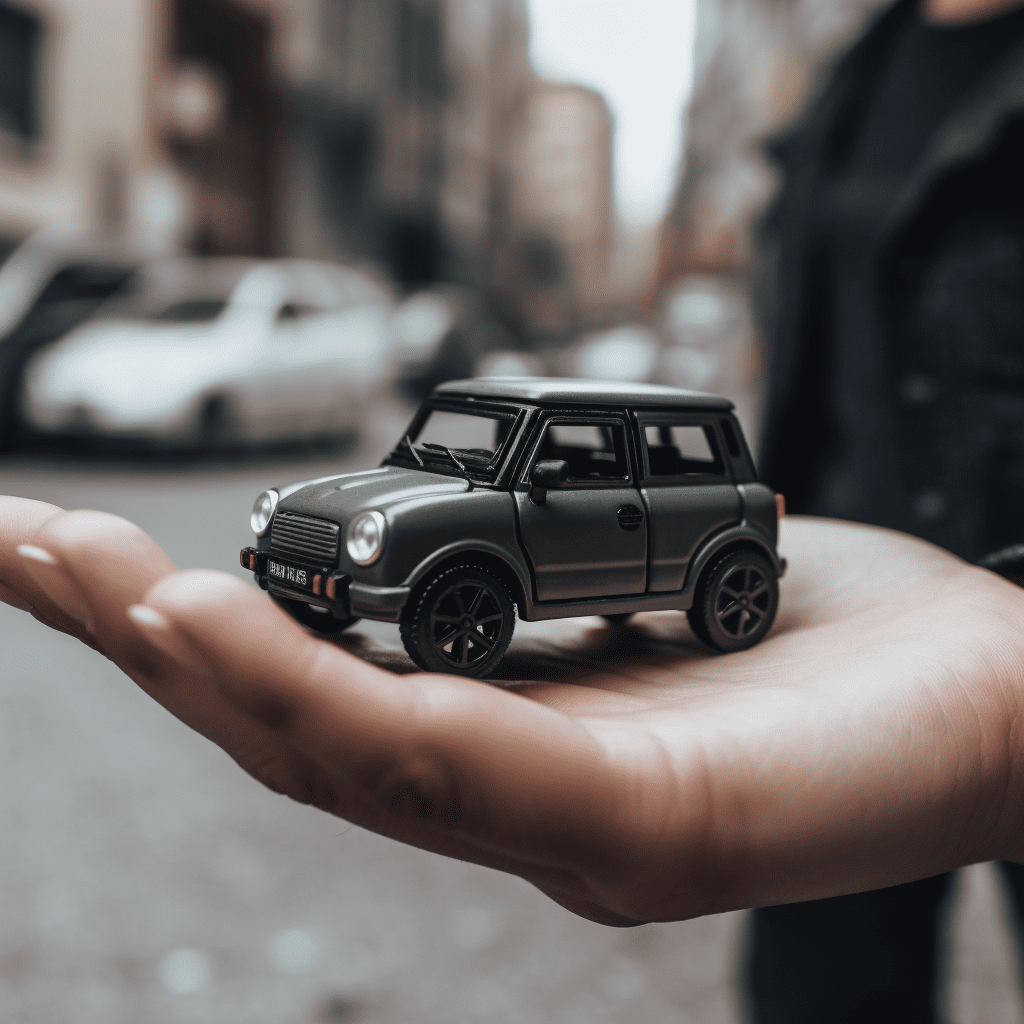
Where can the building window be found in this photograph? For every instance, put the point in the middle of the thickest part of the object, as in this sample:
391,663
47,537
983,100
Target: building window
421,71
20,44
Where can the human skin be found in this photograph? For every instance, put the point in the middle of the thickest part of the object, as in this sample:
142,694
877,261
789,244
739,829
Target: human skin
954,12
873,738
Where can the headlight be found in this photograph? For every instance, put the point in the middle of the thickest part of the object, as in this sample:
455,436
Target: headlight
365,538
263,512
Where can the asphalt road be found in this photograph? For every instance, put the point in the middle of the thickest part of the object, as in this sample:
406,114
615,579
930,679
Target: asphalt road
145,878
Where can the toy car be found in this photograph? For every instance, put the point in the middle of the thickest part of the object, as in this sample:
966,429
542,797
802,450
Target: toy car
543,497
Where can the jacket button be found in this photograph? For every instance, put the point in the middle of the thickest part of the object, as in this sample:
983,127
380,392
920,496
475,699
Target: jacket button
918,389
930,504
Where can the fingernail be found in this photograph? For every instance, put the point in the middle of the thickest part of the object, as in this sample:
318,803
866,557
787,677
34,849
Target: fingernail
56,584
165,638
36,554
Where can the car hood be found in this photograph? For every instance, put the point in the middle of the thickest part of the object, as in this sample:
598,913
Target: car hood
340,497
119,358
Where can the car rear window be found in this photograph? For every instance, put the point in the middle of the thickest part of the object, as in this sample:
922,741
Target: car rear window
675,449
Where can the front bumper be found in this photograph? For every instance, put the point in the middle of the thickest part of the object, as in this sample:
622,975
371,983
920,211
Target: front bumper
325,586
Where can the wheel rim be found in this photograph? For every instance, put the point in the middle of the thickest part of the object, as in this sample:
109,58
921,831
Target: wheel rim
743,601
465,623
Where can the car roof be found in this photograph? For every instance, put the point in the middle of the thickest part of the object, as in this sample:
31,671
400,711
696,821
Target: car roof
162,283
562,391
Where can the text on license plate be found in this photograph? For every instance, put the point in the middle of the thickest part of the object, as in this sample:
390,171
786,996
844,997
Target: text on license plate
287,572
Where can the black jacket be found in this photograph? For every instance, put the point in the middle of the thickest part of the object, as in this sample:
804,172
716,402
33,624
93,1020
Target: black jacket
950,274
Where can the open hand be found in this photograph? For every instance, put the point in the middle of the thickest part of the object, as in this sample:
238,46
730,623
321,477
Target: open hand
873,738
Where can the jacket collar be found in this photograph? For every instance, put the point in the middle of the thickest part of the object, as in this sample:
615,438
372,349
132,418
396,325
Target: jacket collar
972,127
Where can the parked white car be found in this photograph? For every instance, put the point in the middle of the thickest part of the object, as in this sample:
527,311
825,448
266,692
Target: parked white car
209,351
54,281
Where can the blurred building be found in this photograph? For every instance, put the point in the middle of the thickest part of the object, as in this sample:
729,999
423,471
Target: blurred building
71,126
562,206
755,63
406,131
159,116
377,127
409,133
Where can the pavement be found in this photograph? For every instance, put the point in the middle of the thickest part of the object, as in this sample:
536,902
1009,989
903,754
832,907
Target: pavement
145,878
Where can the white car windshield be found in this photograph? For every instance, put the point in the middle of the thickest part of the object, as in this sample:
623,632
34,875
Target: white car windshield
179,291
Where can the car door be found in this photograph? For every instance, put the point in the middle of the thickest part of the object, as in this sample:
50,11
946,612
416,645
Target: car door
589,537
300,386
687,489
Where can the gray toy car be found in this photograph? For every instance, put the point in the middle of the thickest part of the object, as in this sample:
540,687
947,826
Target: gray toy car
542,497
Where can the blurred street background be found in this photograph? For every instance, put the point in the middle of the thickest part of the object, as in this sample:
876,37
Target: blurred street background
239,240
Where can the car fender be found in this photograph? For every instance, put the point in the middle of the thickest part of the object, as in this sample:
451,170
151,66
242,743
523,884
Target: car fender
470,547
743,535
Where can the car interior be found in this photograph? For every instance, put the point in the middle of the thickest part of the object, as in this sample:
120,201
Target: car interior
593,451
678,450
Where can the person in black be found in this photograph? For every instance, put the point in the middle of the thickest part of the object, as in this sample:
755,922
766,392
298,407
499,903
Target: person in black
891,289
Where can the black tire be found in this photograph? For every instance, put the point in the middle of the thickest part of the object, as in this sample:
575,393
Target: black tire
736,602
323,623
461,622
216,427
618,618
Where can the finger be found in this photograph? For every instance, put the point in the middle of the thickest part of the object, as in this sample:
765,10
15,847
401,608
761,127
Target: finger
65,625
8,596
443,755
329,787
95,566
587,908
90,566
188,690
20,520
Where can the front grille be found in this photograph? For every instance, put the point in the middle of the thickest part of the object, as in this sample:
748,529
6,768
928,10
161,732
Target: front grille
313,540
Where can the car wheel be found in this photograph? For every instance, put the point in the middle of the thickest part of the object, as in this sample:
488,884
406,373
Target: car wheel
736,602
461,622
618,618
319,622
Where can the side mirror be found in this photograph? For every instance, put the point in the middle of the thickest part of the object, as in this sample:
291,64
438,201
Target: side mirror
546,474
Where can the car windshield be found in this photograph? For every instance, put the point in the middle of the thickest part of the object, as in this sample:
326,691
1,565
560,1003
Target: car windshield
465,442
179,291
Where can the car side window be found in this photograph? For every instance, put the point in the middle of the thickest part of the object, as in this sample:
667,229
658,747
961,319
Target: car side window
191,311
677,449
292,311
85,281
594,451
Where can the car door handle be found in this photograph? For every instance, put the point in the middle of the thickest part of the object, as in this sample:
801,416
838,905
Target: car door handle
630,517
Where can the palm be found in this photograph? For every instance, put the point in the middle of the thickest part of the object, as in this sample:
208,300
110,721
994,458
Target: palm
869,740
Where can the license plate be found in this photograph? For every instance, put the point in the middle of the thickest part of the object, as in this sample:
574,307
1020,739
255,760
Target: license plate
290,574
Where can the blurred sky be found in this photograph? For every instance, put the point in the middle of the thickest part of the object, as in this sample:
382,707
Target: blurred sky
639,55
